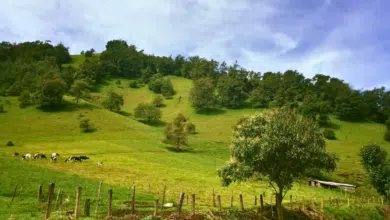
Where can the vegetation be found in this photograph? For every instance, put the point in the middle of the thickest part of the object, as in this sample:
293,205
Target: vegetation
10,144
25,99
158,101
147,112
80,89
373,158
86,125
202,95
329,134
175,133
190,128
275,138
113,101
51,93
134,84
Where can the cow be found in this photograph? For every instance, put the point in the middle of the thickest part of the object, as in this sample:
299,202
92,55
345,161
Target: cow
73,159
55,155
15,154
84,157
100,163
40,156
26,156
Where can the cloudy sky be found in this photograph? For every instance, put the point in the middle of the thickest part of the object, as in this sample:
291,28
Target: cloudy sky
348,39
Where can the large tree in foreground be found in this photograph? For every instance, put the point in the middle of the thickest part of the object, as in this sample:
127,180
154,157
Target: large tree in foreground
281,146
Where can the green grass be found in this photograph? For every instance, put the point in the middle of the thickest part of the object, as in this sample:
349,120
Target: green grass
133,153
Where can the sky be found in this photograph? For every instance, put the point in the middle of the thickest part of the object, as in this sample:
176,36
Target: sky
348,39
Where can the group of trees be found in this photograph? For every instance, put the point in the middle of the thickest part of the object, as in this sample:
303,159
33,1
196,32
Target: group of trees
28,65
376,164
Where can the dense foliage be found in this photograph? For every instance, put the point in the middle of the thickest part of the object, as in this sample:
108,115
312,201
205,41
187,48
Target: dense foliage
158,101
291,144
175,132
329,134
147,112
24,66
113,101
373,158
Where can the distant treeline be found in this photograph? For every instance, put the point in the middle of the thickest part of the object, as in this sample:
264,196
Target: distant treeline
25,66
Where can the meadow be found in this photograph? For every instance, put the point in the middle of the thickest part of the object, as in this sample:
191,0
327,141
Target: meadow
134,154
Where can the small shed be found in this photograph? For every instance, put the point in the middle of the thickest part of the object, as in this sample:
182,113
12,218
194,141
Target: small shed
327,184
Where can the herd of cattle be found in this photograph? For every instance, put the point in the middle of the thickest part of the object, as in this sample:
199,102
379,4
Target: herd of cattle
54,156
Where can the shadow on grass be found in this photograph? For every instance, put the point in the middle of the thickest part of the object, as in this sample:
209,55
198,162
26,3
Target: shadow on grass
154,123
183,149
66,106
331,125
124,113
90,130
212,111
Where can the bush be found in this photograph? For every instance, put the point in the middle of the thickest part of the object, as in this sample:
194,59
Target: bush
134,84
2,109
323,120
167,89
86,125
329,134
25,99
10,144
387,135
147,112
118,82
113,101
190,128
387,123
158,101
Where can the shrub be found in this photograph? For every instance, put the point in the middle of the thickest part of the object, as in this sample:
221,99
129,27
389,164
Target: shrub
113,101
134,84
190,128
10,144
167,89
323,120
387,123
147,112
25,99
329,134
2,109
174,132
387,135
118,82
86,125
158,101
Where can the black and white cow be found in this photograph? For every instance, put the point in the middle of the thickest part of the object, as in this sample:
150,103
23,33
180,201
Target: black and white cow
40,156
54,157
26,156
73,159
100,163
84,157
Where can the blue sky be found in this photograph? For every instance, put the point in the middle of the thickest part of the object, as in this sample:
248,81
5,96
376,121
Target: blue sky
348,39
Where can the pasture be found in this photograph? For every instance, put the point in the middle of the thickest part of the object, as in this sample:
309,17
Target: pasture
133,152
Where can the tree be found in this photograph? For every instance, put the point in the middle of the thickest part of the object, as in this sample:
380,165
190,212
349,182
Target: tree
158,101
86,125
147,112
190,128
329,134
351,107
89,53
113,101
80,89
387,135
50,93
146,74
231,92
374,161
167,89
175,133
281,146
25,99
155,83
202,95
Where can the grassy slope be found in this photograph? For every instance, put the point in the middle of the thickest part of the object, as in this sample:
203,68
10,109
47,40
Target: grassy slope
133,152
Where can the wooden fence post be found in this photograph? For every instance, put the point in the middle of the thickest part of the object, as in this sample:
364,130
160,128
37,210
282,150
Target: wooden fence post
98,198
86,207
60,199
337,202
291,201
261,202
148,188
155,208
231,200
40,193
180,203
255,199
214,199
187,199
109,207
77,204
219,203
163,198
49,197
193,203
133,200
241,203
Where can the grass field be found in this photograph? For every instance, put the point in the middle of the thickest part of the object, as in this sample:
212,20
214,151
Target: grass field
133,152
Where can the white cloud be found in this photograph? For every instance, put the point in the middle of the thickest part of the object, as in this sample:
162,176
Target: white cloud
262,35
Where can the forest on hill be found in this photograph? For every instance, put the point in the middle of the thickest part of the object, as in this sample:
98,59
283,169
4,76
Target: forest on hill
26,68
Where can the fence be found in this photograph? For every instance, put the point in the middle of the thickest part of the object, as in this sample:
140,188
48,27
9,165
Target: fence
220,202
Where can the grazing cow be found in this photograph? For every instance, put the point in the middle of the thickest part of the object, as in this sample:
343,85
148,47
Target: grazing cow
15,154
55,155
84,157
53,159
26,156
40,156
100,163
73,159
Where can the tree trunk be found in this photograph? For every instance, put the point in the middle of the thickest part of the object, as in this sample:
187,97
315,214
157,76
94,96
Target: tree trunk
279,207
